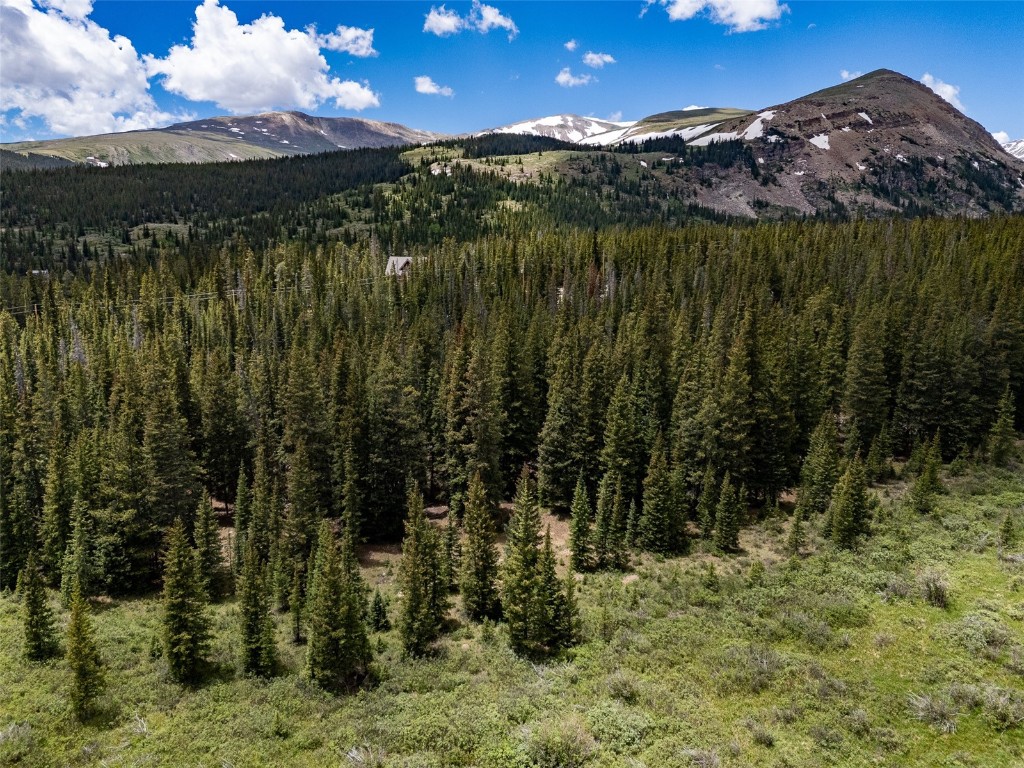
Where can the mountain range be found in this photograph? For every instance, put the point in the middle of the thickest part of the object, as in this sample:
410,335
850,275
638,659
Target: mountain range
879,143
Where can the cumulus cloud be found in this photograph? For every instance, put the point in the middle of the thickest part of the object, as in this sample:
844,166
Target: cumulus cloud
571,45
567,79
848,75
597,60
351,40
442,22
254,67
60,67
1002,137
615,116
425,84
738,15
482,18
949,92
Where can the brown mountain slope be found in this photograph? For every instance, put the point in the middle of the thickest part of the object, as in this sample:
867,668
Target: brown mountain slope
880,142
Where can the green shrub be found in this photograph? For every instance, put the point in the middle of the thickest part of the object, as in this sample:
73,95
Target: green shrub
562,743
934,588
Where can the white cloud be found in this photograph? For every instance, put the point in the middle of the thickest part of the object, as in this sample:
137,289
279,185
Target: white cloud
425,84
812,25
483,18
442,22
571,45
254,67
848,75
597,60
59,66
567,79
487,17
1002,137
351,40
615,116
950,93
738,15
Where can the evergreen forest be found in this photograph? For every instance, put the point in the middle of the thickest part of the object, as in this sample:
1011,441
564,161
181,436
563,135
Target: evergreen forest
597,479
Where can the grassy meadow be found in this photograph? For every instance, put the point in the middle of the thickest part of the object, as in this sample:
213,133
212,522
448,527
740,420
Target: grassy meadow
757,659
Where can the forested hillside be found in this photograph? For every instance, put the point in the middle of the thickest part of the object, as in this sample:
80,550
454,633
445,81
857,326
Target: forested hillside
221,414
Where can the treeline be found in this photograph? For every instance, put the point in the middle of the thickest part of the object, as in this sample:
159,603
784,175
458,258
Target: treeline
320,385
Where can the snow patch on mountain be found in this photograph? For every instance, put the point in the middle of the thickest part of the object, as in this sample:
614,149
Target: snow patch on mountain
1015,148
572,128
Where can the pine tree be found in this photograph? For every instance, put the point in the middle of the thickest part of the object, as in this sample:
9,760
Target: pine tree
558,459
579,529
821,468
338,656
624,442
797,539
58,511
709,491
660,528
79,570
520,573
554,620
297,600
1008,531
450,555
928,485
425,598
1002,437
206,535
186,625
602,536
40,635
379,620
87,677
258,648
242,515
866,391
849,509
727,517
478,582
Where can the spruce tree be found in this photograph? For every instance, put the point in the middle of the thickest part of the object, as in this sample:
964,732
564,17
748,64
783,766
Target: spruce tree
242,515
559,457
379,620
258,649
338,656
79,570
797,538
37,618
849,509
419,578
186,625
1008,531
87,677
660,528
478,582
728,513
58,512
554,621
520,573
579,529
206,535
928,485
603,533
706,503
1002,436
820,469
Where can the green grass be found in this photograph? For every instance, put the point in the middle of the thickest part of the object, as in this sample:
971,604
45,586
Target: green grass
813,665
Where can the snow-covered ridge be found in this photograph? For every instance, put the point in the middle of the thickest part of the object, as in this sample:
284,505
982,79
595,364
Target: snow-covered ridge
573,128
1015,148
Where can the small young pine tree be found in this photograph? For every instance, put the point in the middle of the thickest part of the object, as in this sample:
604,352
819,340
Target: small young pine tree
820,470
660,528
520,574
1008,531
258,649
37,618
425,599
87,677
849,508
1002,437
727,517
709,492
206,535
379,620
602,534
797,538
579,528
186,625
928,485
79,569
478,582
553,622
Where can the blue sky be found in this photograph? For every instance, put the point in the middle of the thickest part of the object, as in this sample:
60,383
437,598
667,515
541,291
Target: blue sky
72,67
